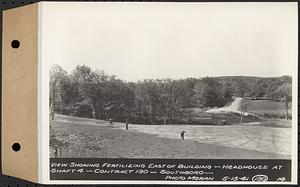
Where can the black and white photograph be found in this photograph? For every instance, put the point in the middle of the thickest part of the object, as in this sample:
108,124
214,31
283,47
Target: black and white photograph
171,81
150,93
169,92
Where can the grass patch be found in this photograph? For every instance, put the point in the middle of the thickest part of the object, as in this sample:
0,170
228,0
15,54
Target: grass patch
267,109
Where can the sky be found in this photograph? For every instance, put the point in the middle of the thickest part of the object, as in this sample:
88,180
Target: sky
136,41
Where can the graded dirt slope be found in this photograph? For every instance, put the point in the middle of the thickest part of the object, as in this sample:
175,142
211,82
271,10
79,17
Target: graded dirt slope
234,107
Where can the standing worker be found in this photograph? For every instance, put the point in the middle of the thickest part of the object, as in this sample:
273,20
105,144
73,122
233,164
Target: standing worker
126,121
182,135
110,122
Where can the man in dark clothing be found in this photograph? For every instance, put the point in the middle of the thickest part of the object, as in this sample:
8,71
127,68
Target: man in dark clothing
126,121
182,135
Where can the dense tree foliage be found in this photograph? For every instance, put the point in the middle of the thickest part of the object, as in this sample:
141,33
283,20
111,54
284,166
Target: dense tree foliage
90,93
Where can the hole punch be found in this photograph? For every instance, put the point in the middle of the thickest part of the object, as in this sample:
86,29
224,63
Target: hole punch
15,44
16,147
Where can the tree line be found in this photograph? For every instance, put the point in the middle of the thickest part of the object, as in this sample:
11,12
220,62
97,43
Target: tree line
95,94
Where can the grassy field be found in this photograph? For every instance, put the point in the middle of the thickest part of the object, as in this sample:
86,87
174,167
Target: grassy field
80,137
267,108
258,105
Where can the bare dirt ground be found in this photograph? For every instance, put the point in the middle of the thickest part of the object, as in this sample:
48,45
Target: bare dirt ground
93,138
